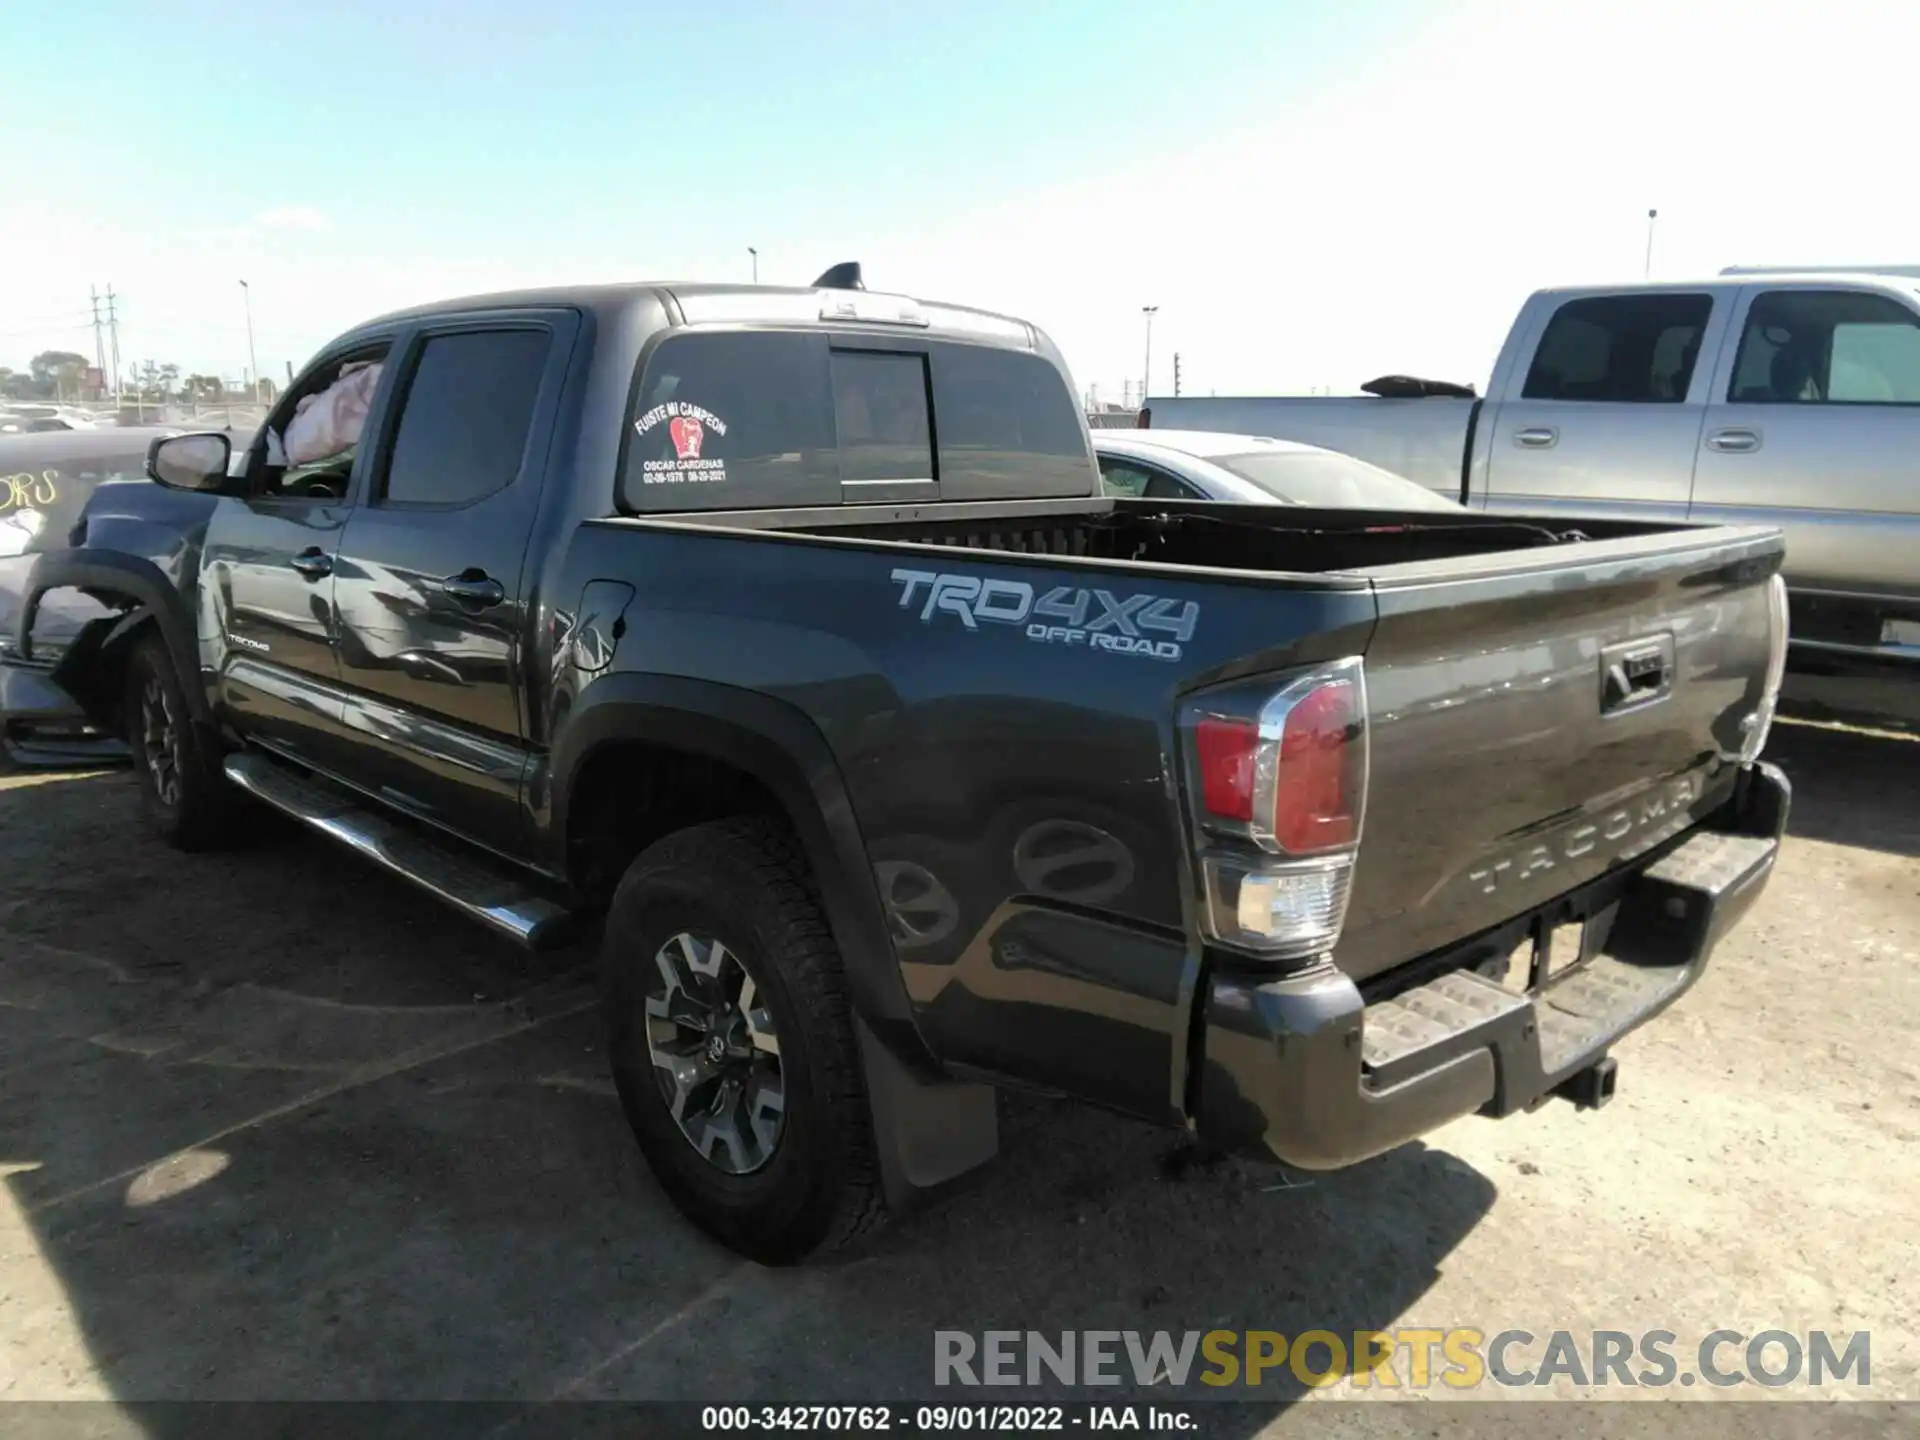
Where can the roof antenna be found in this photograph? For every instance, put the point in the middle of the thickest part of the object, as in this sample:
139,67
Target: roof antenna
844,276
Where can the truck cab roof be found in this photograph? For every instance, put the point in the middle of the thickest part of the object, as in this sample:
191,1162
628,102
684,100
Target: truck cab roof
1900,279
704,303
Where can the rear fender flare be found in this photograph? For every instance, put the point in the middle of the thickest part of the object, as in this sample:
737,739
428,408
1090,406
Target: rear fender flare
778,745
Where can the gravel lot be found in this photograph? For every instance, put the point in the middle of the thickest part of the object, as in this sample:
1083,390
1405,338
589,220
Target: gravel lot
275,1126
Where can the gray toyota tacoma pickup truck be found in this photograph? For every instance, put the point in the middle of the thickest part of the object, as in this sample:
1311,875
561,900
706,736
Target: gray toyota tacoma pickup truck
786,635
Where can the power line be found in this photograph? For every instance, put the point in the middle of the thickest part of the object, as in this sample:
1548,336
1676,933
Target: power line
56,317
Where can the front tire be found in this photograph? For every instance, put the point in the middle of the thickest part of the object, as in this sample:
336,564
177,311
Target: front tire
186,800
732,1044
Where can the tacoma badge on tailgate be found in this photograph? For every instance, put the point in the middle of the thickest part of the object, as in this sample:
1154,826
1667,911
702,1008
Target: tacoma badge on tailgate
1629,829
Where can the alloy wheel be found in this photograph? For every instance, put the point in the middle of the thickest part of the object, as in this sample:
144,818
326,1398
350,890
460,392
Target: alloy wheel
715,1055
160,742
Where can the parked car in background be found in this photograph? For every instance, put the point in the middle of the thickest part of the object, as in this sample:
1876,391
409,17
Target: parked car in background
1787,398
32,419
54,485
1250,470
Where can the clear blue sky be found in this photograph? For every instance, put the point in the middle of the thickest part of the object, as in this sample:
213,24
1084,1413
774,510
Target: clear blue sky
643,140
1312,193
655,128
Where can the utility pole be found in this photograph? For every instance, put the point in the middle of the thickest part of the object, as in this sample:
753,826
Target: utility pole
253,362
1146,378
1176,374
99,337
113,341
756,263
1652,215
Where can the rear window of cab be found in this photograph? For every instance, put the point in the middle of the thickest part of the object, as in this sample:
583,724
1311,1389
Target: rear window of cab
749,419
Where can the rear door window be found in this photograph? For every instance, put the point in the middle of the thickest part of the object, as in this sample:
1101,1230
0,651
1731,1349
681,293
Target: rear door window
1009,427
729,421
466,416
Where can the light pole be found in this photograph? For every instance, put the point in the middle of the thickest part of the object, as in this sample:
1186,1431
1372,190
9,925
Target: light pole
1652,215
253,363
756,263
1146,377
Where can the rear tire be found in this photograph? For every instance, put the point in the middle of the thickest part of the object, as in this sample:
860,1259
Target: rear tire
185,798
736,1062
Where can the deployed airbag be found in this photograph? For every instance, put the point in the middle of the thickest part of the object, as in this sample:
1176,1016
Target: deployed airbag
329,422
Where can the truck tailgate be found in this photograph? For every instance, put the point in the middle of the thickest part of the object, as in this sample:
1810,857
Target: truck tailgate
1539,718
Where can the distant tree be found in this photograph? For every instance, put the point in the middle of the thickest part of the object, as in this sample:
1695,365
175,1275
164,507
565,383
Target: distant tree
154,381
59,373
209,388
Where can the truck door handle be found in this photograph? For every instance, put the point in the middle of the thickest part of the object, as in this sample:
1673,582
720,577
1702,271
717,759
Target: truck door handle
474,587
1734,442
1537,437
313,562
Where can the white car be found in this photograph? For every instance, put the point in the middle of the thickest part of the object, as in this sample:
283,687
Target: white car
1250,470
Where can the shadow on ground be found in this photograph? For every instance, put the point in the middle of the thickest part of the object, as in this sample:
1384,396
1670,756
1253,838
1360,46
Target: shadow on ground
274,1126
1851,786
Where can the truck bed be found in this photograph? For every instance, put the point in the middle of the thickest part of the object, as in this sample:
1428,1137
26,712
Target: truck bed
1244,539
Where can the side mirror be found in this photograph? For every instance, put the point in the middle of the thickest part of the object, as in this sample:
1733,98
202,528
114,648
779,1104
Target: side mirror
190,462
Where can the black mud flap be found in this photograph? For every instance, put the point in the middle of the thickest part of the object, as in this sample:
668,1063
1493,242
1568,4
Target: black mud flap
928,1133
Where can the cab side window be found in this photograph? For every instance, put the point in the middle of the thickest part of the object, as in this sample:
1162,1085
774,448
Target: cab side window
1118,478
1132,482
1827,347
1637,349
1162,486
307,448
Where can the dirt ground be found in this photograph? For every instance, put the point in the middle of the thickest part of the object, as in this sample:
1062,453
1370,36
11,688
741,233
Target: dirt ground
275,1126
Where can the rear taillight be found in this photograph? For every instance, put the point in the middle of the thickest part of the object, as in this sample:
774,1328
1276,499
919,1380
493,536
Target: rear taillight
1227,751
1320,770
1277,782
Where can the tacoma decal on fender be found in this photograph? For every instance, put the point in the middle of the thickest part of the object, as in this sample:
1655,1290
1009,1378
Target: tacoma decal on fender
1065,615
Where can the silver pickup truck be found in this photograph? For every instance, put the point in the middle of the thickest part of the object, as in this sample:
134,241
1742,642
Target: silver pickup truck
1788,398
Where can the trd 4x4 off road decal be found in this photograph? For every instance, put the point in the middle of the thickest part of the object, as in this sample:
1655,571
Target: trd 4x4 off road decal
1064,615
688,427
